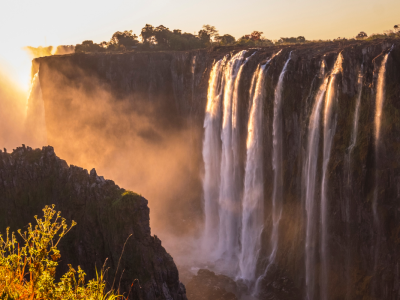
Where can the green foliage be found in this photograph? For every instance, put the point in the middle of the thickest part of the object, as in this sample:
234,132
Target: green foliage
126,39
292,40
385,35
161,38
255,39
147,33
89,46
226,39
211,31
130,193
28,272
161,34
204,36
362,35
126,195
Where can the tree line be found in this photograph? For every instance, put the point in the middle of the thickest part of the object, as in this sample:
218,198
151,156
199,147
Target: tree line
162,38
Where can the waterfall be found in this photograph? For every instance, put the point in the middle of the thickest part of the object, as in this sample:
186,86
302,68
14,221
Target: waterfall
380,97
353,142
356,114
229,196
310,170
212,154
35,123
253,199
277,164
329,132
236,98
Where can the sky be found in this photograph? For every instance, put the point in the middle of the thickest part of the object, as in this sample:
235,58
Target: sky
50,22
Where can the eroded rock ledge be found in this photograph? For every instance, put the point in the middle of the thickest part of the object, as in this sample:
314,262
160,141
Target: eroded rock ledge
106,216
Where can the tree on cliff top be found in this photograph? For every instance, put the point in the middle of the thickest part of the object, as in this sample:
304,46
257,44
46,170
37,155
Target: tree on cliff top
361,35
204,36
89,46
147,33
161,38
292,40
256,35
226,39
210,30
162,34
126,39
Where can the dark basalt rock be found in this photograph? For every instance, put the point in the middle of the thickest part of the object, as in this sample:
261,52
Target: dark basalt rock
276,285
106,216
206,285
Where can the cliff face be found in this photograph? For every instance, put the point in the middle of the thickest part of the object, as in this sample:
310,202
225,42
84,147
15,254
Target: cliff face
170,89
106,216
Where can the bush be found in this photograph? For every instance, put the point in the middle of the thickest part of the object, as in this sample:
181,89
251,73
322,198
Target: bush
291,40
361,35
89,46
28,272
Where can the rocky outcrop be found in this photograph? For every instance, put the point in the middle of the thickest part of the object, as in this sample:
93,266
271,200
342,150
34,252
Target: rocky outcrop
207,285
107,216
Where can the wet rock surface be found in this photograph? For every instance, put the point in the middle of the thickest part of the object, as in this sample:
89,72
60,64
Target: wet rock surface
207,285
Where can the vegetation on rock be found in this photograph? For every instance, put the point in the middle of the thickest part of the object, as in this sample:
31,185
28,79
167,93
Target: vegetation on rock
161,38
28,272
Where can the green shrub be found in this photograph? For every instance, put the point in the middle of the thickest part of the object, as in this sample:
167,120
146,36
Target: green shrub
28,272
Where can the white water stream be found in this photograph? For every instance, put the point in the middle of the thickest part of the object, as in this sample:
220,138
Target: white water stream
253,198
310,172
277,164
212,154
329,132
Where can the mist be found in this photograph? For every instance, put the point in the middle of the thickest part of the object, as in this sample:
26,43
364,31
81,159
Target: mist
12,113
138,142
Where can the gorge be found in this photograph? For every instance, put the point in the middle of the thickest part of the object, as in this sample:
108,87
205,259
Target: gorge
277,166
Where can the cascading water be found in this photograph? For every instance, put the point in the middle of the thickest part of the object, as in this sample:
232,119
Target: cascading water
234,214
35,123
310,171
229,195
253,206
329,132
211,155
253,86
253,198
277,164
353,142
235,101
380,97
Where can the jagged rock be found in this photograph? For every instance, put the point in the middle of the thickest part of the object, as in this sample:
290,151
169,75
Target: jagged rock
106,217
276,285
206,285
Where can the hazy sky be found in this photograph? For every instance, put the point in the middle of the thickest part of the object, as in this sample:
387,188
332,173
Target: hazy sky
52,22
